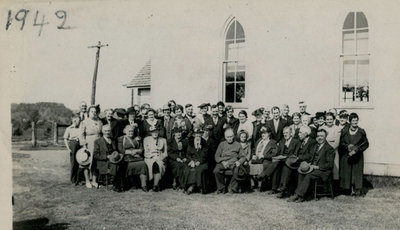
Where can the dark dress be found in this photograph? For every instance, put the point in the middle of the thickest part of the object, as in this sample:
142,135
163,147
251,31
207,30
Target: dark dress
134,165
196,175
177,168
352,168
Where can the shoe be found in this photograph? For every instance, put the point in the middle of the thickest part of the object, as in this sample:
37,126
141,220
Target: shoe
95,184
156,188
280,195
293,198
190,190
299,200
221,191
174,187
144,189
273,191
88,185
203,191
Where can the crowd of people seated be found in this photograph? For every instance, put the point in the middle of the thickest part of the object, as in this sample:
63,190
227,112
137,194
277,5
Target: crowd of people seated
214,151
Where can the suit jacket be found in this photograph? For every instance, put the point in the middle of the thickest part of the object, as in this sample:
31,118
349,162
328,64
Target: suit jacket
293,149
173,150
194,154
114,127
256,131
305,151
269,151
277,136
172,122
217,131
102,149
123,123
232,123
324,157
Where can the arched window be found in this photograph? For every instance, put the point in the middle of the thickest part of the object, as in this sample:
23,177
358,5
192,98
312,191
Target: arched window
355,80
234,74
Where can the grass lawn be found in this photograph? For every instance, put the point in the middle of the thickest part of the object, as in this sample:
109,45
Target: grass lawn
44,199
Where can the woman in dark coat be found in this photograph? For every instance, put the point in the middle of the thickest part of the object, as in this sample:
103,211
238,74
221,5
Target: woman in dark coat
177,157
152,122
197,163
132,148
353,143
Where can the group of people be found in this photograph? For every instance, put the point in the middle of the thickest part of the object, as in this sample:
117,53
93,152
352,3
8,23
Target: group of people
215,151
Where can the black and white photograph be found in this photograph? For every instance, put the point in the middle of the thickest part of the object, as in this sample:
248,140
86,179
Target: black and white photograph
202,114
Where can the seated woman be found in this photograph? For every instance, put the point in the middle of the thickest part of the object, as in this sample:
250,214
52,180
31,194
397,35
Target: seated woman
177,157
296,125
133,156
243,136
197,163
155,152
353,143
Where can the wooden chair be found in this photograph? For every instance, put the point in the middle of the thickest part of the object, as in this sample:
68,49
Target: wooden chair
323,188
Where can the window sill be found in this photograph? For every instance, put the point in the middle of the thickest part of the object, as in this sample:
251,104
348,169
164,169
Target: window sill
355,105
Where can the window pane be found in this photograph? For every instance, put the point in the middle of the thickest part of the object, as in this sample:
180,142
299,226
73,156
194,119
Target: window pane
349,45
228,50
239,92
230,72
361,20
362,41
240,74
239,31
231,32
349,77
349,22
363,80
229,92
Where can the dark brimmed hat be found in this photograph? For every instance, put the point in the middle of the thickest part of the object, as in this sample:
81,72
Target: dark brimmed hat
292,162
115,157
120,111
319,114
265,129
203,105
130,110
305,168
176,130
153,129
197,130
257,112
240,173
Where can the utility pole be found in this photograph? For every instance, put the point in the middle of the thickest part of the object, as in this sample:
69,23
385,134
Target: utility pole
98,46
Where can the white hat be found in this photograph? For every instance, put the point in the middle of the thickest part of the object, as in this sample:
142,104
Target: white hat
83,156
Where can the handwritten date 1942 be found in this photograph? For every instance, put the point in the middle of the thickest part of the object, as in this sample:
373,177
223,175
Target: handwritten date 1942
22,15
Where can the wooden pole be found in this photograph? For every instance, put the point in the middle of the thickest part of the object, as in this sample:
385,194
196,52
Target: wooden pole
55,133
33,126
96,66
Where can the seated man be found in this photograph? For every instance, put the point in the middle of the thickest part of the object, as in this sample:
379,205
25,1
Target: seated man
320,167
228,156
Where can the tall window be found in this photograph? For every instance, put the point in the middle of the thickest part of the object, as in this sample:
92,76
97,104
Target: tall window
234,68
355,81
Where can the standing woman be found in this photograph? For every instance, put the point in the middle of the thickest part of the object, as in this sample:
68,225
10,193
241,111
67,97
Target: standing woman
150,122
155,152
353,143
180,122
333,139
90,131
197,163
132,149
244,124
296,125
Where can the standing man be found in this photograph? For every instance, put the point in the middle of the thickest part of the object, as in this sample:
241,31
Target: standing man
285,114
165,121
112,122
229,120
217,124
228,156
83,111
320,167
203,117
189,113
257,124
276,124
71,140
303,108
221,109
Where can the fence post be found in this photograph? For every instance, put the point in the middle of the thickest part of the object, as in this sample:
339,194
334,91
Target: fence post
33,126
55,133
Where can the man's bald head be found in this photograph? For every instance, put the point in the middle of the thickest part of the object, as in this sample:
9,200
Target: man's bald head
229,135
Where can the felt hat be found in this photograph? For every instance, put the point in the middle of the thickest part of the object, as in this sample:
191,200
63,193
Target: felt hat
240,173
120,111
153,129
131,110
176,130
257,112
305,168
292,162
197,130
115,157
203,105
83,156
319,114
302,103
166,107
265,129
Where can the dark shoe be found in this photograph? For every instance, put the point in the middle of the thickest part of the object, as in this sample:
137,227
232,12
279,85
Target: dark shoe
280,195
299,200
156,188
293,198
203,191
144,189
174,187
221,191
117,190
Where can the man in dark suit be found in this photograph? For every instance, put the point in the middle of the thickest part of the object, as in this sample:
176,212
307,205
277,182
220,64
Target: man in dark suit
257,124
165,120
132,121
276,124
217,131
321,165
285,114
112,122
304,153
229,120
203,118
303,108
221,109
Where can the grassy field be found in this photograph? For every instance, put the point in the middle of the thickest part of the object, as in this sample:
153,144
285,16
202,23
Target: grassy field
44,199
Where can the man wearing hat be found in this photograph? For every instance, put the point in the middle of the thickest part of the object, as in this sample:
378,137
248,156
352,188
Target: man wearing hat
285,114
276,124
320,166
112,122
132,120
212,146
257,124
303,108
221,109
189,113
104,147
203,117
228,156
165,121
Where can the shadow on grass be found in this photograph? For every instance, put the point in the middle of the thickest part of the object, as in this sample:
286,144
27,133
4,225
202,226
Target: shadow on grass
39,223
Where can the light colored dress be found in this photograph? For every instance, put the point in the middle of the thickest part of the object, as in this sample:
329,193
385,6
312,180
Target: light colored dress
247,126
333,138
90,131
155,150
